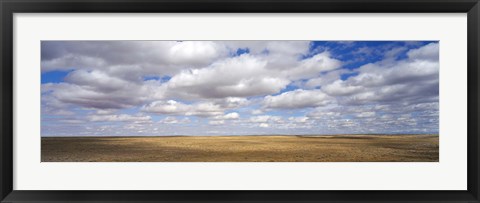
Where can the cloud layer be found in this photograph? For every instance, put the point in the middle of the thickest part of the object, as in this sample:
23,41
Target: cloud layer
238,87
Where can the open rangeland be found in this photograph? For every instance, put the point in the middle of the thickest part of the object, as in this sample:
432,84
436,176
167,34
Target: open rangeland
335,148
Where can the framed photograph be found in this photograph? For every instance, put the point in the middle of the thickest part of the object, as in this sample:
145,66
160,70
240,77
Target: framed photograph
227,101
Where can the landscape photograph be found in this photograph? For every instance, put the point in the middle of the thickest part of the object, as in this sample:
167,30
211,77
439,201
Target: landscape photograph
239,101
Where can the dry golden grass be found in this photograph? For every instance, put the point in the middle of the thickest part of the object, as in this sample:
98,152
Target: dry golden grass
336,148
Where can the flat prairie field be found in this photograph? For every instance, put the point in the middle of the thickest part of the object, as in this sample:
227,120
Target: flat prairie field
308,148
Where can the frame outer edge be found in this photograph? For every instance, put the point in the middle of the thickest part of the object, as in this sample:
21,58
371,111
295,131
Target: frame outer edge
477,113
473,46
2,174
477,141
6,90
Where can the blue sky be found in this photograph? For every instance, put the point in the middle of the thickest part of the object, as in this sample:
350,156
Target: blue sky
113,88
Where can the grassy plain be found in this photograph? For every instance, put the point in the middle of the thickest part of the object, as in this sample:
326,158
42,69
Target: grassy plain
322,148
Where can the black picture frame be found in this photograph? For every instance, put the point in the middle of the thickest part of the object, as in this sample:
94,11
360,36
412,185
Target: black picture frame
9,7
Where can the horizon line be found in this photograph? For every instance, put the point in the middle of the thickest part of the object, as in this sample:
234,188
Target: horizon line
264,135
